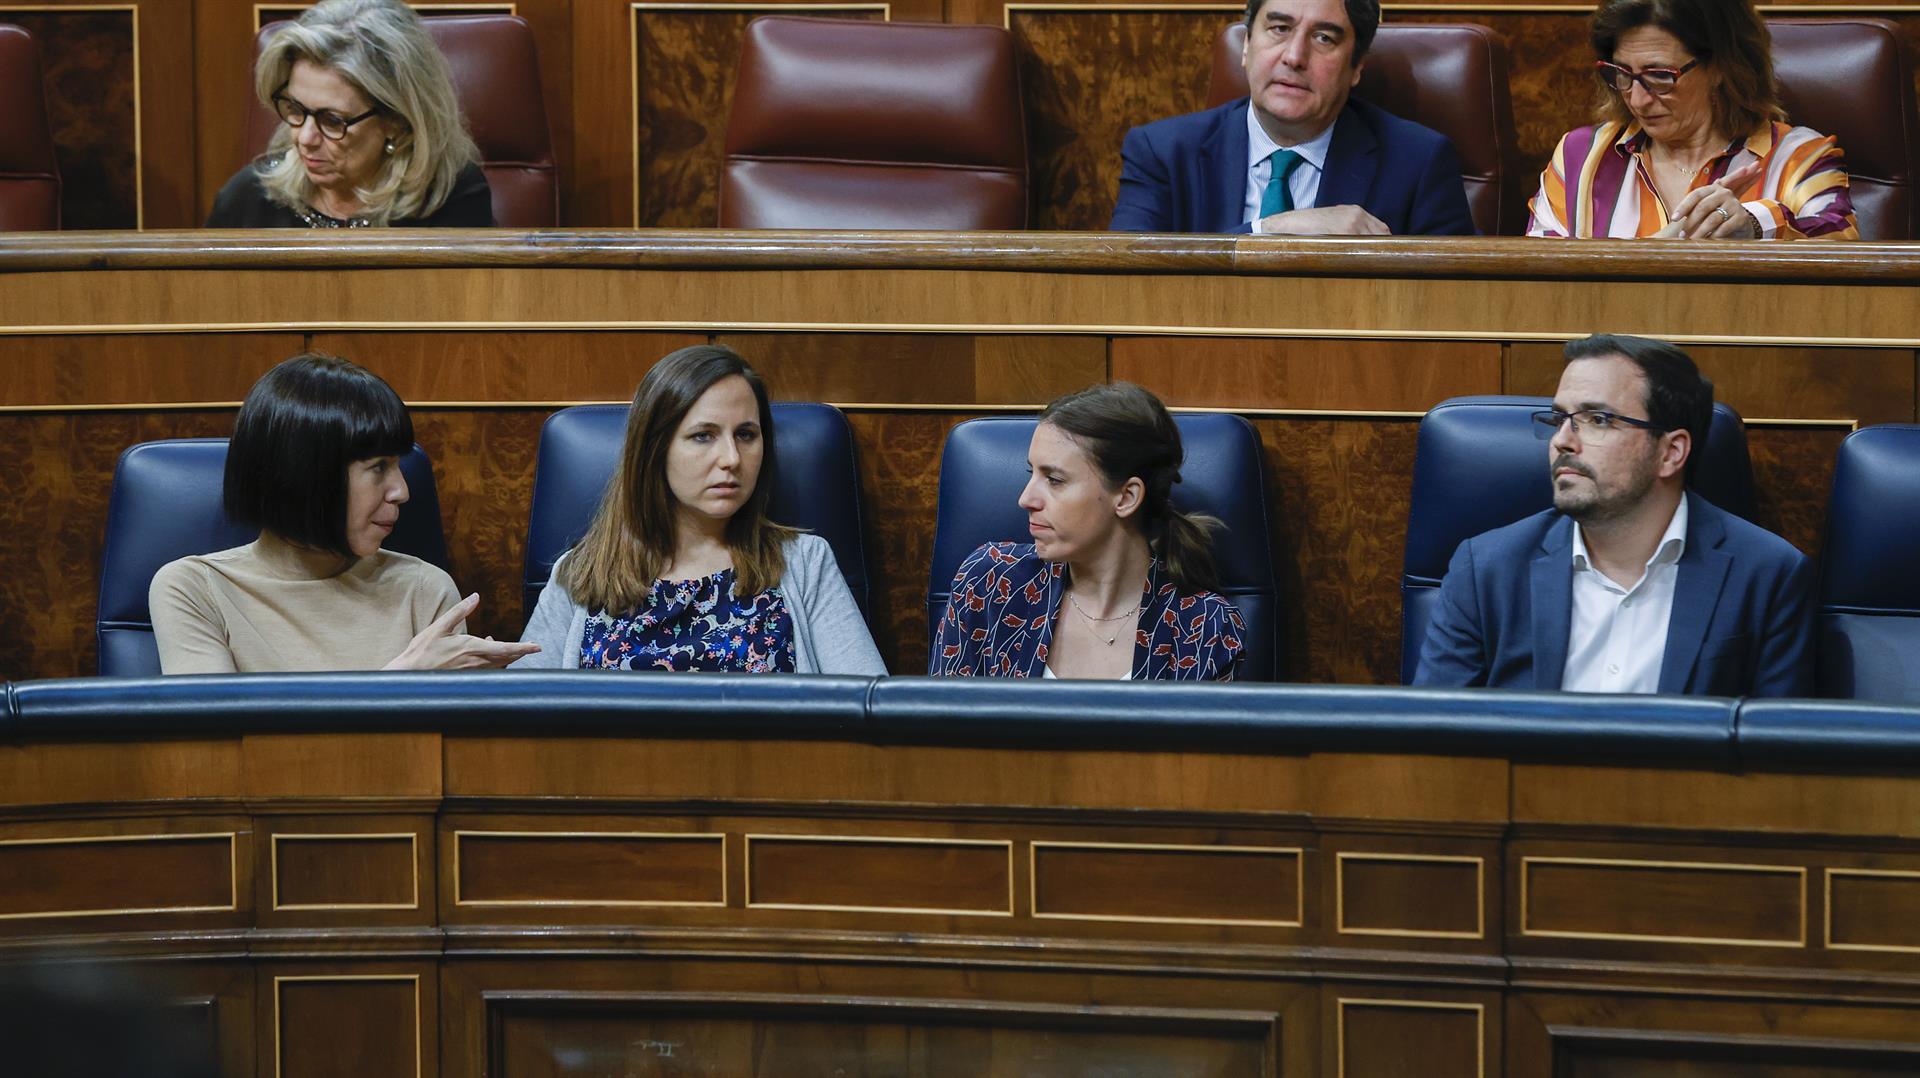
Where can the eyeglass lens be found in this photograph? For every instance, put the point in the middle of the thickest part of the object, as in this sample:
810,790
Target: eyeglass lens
1659,81
1592,427
331,124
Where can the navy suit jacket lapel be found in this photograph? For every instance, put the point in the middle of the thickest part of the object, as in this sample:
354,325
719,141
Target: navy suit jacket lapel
1352,160
1701,576
1552,602
1223,172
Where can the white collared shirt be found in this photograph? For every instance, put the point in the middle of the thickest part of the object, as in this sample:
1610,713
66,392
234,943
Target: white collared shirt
1303,183
1617,637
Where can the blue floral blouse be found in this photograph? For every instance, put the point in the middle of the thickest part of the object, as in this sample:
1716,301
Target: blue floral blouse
694,625
999,622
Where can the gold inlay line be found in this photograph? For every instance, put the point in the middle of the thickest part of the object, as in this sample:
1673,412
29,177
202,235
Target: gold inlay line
1297,853
1479,895
233,873
1827,904
1527,863
877,840
1479,1014
413,865
522,903
419,1054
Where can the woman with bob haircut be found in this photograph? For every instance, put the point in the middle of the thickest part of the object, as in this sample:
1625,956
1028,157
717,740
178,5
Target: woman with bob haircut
372,135
1692,143
1110,554
681,569
315,465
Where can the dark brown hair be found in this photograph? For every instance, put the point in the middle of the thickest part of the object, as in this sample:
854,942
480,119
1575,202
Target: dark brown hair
1128,434
632,537
1726,36
1679,397
1363,14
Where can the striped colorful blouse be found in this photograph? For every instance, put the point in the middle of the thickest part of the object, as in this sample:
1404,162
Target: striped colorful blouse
1597,185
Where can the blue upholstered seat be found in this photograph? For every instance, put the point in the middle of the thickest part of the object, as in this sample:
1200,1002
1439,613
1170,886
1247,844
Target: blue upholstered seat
816,485
1869,590
166,505
1479,466
984,466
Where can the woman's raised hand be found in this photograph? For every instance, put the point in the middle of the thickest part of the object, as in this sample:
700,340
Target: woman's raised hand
439,647
1714,212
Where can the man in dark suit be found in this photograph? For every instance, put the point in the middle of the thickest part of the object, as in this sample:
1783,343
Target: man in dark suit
1630,583
1300,157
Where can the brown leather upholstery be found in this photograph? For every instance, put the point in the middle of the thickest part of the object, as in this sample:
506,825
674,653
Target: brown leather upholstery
496,75
29,174
843,124
1852,79
1449,77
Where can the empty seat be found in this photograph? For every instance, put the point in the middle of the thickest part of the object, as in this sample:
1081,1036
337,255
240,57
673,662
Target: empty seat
29,173
816,485
984,467
166,505
1479,466
1850,78
1448,77
496,76
845,124
1869,591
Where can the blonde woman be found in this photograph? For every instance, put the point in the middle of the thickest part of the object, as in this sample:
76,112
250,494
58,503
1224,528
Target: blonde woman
373,133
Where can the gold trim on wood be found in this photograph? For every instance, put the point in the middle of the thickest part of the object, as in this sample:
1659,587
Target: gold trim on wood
1826,934
233,873
633,57
511,9
1526,863
1297,853
875,840
1340,1025
139,137
491,903
419,1054
1007,11
413,862
1479,899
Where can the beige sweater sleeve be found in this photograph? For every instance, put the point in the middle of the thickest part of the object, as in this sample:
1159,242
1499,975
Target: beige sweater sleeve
187,625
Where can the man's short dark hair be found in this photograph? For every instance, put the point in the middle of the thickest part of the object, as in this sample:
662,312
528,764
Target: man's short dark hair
1679,397
1363,14
303,422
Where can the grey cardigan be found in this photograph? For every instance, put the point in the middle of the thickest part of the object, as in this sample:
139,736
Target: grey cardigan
829,636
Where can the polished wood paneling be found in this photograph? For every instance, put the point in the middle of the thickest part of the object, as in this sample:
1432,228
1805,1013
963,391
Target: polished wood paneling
1380,1038
93,369
87,66
899,875
340,871
899,456
1876,909
347,1026
1307,375
1647,899
378,765
588,869
100,876
492,366
1235,885
34,774
1410,895
914,369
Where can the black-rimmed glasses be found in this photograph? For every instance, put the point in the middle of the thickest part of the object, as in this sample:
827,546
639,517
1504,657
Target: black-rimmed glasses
332,125
1658,81
1592,425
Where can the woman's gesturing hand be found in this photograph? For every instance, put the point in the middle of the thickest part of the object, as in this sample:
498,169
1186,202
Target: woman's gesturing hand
1714,212
439,647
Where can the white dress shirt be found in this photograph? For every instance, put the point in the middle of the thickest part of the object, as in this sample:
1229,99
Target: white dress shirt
1617,636
1303,183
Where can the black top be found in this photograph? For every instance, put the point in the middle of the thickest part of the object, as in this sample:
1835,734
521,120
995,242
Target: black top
243,203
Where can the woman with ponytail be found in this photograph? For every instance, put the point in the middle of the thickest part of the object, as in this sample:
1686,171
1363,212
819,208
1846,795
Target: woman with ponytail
1117,583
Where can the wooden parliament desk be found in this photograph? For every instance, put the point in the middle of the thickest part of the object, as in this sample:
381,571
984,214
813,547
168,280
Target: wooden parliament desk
501,875
1333,348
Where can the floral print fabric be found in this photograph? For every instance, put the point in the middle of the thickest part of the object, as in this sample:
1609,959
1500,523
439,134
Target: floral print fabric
694,625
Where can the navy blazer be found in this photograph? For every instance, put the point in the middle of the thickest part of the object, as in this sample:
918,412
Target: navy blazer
1189,173
1742,622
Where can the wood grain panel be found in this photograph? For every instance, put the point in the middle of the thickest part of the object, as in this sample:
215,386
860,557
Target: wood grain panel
112,369
588,869
337,871
483,468
116,876
1386,1038
223,32
1410,895
1330,375
1151,64
318,765
921,368
46,774
1871,385
87,66
1222,885
906,876
1871,909
1792,478
508,366
1583,898
347,1026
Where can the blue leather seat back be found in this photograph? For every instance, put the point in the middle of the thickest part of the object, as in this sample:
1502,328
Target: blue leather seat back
166,505
816,485
1869,590
984,467
1479,466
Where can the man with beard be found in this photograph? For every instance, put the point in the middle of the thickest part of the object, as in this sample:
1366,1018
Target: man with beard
1630,583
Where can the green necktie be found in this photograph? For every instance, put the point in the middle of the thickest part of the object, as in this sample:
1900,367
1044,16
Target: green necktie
1278,199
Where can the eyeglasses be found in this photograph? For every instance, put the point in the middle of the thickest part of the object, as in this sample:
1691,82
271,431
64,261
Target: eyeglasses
331,124
1591,425
1658,81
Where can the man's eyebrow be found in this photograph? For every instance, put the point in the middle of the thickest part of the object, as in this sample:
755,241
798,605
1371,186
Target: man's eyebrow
1330,27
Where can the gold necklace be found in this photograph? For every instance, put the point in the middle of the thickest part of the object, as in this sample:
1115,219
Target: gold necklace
1094,623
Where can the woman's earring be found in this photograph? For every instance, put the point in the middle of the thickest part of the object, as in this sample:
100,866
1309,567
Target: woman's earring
389,147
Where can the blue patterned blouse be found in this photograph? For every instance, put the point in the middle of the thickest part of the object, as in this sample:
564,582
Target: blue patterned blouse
694,625
999,622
